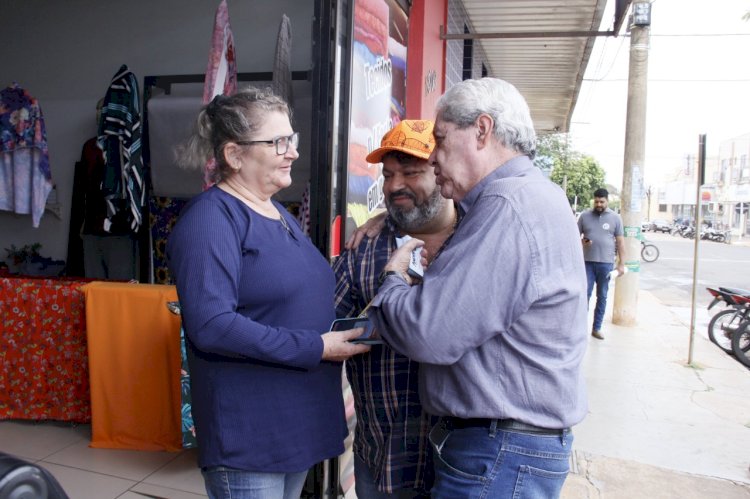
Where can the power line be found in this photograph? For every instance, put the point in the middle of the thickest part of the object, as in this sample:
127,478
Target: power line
700,34
669,80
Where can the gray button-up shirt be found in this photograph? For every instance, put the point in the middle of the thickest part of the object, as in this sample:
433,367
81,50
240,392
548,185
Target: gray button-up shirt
499,321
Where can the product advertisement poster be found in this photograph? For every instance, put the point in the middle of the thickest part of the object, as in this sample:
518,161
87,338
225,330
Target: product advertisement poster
378,96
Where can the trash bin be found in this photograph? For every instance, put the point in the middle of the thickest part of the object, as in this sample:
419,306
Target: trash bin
23,480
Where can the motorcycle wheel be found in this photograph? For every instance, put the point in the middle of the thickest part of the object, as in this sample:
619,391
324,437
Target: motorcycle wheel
741,344
649,253
719,238
722,326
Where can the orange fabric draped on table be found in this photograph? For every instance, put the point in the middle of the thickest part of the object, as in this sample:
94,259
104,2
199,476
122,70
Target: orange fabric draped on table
134,366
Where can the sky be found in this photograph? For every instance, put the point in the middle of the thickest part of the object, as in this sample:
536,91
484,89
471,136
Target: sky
698,83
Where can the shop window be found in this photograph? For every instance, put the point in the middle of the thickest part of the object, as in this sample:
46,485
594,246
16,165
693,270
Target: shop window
468,55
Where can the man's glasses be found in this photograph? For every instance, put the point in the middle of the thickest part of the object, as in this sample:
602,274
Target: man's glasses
282,143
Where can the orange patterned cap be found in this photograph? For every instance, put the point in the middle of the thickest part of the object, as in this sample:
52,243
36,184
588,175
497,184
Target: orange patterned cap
409,136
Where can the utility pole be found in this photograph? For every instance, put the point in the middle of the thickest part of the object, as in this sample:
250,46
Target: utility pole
626,287
700,179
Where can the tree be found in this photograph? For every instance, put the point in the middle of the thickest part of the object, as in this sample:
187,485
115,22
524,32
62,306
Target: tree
551,149
584,176
581,174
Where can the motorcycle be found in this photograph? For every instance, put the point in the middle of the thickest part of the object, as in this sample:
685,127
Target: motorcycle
719,236
741,343
687,231
724,324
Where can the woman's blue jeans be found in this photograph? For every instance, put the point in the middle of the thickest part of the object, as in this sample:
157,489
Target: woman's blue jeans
598,273
227,483
497,464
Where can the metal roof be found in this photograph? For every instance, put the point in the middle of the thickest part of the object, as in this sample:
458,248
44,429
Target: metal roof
542,47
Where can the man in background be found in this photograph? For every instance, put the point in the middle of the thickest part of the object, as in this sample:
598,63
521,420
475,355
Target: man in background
392,455
601,230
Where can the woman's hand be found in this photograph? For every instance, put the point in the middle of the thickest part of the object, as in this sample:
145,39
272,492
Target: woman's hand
370,228
338,348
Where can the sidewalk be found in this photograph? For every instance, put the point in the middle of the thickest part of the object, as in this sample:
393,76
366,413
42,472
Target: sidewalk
656,427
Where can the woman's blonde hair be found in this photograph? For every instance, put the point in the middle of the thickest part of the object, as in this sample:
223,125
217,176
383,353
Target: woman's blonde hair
228,119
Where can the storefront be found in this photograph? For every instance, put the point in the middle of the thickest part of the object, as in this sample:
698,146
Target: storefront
354,67
347,64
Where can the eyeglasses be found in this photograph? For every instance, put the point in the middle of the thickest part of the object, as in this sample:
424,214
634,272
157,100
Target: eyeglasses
282,143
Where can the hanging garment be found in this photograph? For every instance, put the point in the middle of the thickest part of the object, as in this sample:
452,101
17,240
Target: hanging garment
119,138
25,177
221,74
91,157
304,211
164,212
282,73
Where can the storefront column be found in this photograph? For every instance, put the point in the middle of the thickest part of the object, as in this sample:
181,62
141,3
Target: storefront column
426,60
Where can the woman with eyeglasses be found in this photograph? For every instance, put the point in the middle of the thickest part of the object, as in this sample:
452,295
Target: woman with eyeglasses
257,304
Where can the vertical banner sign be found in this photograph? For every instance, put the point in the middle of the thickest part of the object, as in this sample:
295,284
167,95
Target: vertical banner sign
378,100
636,189
634,264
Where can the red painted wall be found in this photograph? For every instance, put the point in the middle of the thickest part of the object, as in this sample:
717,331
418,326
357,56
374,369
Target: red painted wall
425,79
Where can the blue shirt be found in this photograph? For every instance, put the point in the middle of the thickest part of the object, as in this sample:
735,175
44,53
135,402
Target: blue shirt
255,299
499,322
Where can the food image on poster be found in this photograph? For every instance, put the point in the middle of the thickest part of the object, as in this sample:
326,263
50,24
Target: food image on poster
377,100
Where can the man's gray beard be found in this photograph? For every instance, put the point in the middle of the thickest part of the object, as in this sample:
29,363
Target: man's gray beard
415,218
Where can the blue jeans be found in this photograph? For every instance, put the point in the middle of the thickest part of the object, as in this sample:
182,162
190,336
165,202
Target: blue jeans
227,483
497,464
598,273
366,487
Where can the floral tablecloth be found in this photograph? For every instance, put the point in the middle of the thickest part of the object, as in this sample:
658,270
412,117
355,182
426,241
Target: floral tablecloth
43,355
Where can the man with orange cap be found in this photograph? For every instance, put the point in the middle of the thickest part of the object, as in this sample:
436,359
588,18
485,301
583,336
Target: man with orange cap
391,447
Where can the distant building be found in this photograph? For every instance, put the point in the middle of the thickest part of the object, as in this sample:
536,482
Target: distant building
677,198
734,182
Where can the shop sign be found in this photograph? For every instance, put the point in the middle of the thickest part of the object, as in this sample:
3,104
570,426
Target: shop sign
378,98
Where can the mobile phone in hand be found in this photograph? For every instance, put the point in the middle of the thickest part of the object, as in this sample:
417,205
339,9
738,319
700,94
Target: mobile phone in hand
355,322
415,260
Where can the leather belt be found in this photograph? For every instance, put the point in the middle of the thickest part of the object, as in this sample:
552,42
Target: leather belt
501,424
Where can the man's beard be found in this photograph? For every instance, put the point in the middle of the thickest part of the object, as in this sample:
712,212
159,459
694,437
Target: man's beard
599,209
413,219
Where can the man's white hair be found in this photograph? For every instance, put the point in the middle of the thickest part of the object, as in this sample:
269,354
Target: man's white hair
465,101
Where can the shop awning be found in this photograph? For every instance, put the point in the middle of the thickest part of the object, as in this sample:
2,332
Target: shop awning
542,47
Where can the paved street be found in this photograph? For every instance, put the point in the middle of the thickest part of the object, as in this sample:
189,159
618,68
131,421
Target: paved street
670,278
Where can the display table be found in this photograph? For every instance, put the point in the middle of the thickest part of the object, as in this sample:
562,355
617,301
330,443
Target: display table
134,366
43,361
